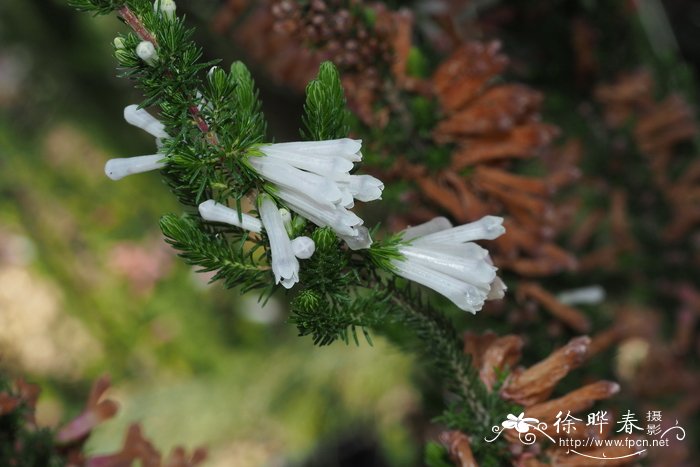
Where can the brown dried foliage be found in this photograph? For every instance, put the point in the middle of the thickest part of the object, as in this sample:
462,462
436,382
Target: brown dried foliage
659,128
491,127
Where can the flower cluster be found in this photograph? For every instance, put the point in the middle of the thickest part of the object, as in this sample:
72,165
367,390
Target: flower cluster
313,179
444,258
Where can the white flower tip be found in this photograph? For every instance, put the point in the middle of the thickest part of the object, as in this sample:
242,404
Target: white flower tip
360,241
116,169
140,118
350,147
303,247
286,271
493,227
497,290
368,188
212,211
118,43
147,52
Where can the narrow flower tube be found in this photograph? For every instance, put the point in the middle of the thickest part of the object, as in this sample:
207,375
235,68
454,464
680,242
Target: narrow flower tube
591,295
443,258
116,169
486,228
313,179
285,265
212,211
142,119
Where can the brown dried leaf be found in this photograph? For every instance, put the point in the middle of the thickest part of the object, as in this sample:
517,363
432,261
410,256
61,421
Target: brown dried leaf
96,411
565,313
523,141
498,110
535,384
457,443
575,401
465,74
502,353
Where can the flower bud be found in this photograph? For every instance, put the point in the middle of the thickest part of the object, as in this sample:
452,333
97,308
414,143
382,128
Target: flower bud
165,7
147,52
303,247
118,43
116,169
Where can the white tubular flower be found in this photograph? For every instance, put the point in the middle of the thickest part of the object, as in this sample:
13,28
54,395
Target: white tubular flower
591,295
165,7
116,169
313,178
285,265
284,251
445,259
147,52
140,118
212,211
119,168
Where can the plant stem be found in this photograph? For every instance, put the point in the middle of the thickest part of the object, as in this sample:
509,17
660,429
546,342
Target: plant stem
144,34
442,343
135,23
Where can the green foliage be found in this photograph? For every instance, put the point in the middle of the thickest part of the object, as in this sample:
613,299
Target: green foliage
99,7
200,245
325,112
436,455
329,318
383,252
249,125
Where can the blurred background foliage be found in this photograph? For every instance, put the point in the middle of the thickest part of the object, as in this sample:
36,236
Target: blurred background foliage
87,285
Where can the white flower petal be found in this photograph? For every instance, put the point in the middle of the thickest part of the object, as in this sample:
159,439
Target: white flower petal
343,147
284,175
117,169
212,211
477,272
434,225
498,289
285,265
486,228
142,119
337,217
363,187
361,241
319,164
466,296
